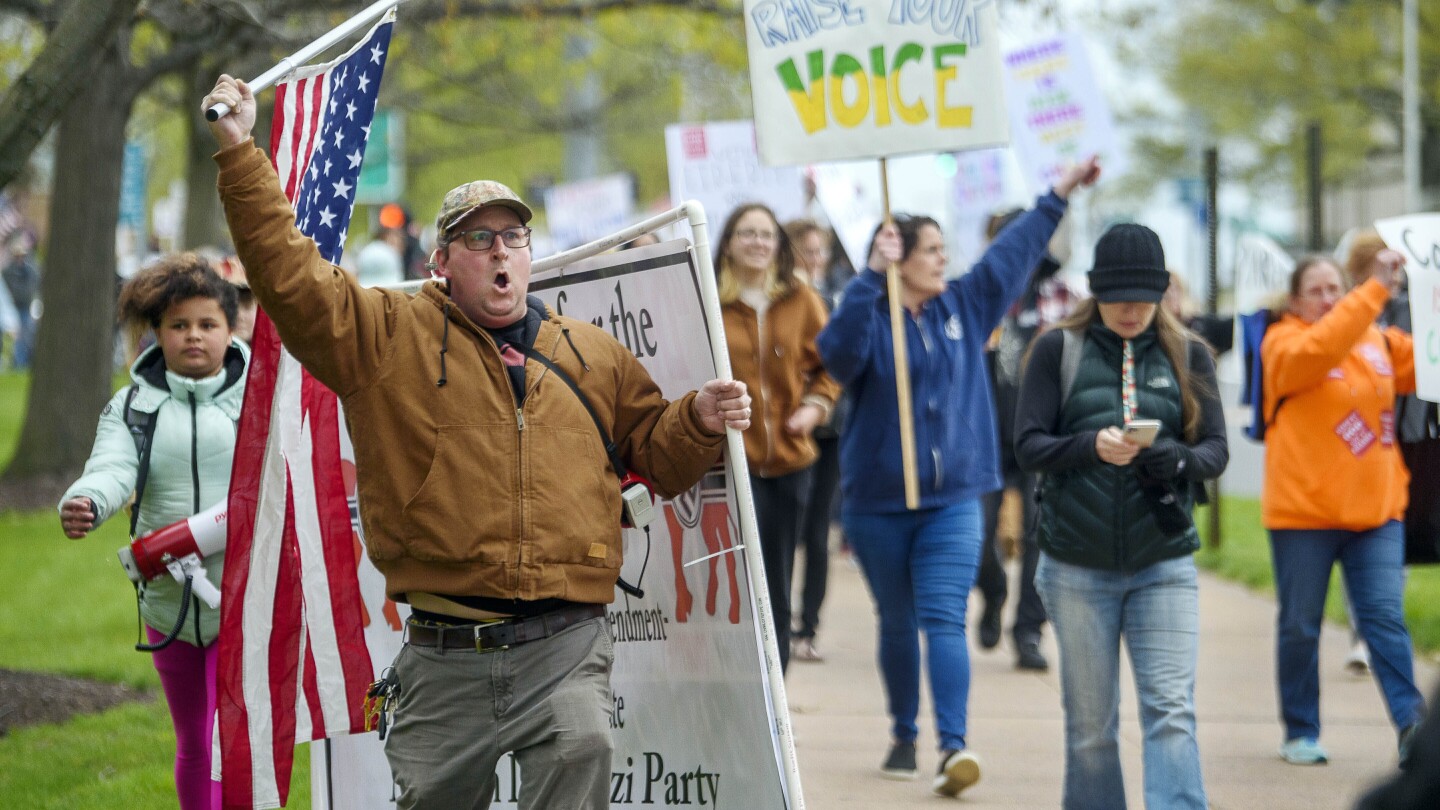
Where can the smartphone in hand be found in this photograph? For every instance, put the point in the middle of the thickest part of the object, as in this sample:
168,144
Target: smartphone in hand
1142,431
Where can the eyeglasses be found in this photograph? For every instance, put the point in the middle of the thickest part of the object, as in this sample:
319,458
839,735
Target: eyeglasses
752,234
1321,293
484,239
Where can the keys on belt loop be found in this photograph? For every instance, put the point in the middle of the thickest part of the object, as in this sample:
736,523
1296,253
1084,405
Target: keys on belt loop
379,705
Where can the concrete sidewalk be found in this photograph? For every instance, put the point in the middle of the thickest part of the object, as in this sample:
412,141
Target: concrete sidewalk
1016,727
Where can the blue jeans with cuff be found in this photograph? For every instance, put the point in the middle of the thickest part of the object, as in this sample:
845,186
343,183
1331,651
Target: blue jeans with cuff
920,566
1156,611
1373,564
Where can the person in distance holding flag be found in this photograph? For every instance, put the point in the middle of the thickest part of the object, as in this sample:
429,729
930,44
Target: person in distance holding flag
485,493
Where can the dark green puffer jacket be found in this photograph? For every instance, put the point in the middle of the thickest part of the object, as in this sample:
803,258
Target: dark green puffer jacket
1092,513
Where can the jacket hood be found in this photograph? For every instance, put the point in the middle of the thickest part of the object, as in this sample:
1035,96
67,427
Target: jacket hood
149,368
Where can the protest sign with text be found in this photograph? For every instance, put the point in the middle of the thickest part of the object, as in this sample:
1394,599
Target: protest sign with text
716,164
690,713
845,79
1262,272
584,210
1418,237
1058,117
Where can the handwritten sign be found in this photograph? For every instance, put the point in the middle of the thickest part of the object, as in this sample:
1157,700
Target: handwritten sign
1418,237
848,79
1262,272
1058,116
716,164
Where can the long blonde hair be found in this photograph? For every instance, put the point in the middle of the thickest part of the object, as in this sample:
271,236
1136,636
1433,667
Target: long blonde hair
779,276
1175,341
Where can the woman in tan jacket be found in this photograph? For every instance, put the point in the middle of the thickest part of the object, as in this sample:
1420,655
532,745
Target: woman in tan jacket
771,320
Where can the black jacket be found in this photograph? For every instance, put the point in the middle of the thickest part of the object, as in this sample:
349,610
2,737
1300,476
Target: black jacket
1096,514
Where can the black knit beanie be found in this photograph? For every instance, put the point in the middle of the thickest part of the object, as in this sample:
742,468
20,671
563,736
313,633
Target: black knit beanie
1129,266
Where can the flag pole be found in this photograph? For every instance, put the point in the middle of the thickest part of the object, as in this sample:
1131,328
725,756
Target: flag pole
305,54
902,363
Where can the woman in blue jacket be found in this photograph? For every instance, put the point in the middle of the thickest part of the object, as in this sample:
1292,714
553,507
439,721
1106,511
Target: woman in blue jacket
920,564
189,386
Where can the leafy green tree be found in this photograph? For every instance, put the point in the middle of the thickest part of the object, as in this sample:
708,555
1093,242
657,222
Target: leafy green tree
494,98
1252,74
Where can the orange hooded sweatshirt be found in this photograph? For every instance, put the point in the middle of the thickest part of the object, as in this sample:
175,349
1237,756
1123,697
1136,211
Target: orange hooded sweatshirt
1331,461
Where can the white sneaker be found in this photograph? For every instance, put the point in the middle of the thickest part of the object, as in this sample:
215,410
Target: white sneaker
1357,663
958,770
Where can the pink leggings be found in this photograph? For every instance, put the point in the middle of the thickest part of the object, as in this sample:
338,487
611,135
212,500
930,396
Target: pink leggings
187,674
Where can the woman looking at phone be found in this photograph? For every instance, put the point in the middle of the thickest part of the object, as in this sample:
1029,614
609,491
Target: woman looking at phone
1336,488
1114,527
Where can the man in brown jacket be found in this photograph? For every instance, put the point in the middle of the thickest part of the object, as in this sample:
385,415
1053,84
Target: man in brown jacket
486,493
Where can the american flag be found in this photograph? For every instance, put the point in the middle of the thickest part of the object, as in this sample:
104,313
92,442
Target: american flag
293,661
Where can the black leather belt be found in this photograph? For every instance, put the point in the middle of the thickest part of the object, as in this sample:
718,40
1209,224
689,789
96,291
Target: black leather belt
502,634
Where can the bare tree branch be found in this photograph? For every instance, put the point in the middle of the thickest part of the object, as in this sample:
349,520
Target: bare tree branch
51,81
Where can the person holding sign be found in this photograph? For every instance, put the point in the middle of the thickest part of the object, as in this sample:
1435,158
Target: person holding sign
1120,413
921,563
771,319
1336,488
490,500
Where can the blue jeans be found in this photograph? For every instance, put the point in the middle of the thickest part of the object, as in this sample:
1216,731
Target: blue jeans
920,566
1373,564
1156,610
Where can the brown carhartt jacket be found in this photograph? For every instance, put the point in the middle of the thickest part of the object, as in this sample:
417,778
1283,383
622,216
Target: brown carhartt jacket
461,491
780,368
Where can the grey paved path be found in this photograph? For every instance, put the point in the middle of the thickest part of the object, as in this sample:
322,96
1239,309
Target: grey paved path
841,729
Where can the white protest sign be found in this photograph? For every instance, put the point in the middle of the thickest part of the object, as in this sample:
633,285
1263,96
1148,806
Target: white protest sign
1058,116
690,717
848,79
1262,272
716,164
1418,237
586,210
851,197
978,190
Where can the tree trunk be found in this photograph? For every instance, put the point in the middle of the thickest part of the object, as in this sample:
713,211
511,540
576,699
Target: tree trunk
204,219
204,216
74,347
38,97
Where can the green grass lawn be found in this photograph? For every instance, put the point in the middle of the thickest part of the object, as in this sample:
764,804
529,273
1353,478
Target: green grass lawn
69,609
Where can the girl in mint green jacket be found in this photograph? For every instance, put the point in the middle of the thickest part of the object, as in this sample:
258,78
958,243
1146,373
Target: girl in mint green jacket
189,386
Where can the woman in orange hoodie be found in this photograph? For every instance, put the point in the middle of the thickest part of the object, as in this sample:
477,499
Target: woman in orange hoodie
771,320
1336,489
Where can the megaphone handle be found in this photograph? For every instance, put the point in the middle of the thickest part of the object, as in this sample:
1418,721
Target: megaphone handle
204,588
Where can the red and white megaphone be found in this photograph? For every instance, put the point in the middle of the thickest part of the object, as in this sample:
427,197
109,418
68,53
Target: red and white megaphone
178,550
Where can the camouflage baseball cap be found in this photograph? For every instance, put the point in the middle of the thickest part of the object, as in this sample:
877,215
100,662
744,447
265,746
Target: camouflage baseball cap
461,200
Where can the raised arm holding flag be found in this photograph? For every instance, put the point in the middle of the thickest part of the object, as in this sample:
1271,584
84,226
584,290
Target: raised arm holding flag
489,500
293,659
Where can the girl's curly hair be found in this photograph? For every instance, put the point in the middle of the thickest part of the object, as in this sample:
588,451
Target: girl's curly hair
177,277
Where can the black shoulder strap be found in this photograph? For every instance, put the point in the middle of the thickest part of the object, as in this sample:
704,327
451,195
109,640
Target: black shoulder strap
610,449
1074,343
142,430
